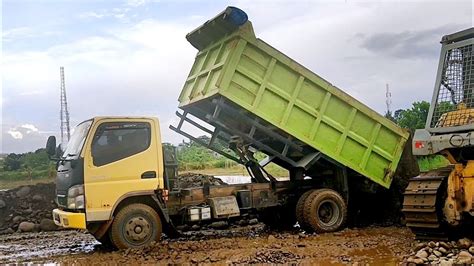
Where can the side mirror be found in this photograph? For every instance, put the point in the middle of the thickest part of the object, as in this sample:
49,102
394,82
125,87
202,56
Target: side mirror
51,146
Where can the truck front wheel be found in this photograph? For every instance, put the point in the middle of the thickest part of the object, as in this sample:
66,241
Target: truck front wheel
135,225
324,211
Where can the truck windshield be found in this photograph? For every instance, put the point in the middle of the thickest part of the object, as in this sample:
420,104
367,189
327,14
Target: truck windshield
74,146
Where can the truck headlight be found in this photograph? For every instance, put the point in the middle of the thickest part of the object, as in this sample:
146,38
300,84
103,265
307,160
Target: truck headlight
75,197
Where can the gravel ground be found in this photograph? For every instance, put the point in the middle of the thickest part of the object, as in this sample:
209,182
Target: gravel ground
240,245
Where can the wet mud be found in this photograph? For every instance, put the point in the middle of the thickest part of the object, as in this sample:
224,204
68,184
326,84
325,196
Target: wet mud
240,245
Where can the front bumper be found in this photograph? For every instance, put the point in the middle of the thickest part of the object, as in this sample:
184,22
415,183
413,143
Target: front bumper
69,219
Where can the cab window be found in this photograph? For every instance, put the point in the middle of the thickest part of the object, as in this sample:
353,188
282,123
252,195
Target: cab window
116,141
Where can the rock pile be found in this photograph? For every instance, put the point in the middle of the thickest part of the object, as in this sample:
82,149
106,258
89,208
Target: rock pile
27,209
271,257
189,180
443,253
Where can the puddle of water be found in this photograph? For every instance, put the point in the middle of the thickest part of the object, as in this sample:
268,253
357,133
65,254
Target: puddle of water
236,179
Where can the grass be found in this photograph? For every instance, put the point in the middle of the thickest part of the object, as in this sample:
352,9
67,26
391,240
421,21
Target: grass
428,163
9,184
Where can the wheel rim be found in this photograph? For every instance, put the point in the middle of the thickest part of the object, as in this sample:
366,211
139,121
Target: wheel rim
328,213
137,230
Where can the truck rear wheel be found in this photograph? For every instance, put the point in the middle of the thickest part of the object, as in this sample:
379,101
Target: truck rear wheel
324,211
300,210
134,226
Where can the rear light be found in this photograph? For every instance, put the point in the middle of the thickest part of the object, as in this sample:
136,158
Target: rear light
419,145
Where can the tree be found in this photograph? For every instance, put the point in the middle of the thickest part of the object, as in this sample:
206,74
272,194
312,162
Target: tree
12,162
413,118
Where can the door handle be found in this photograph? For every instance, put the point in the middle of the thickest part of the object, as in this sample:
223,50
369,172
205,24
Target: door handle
149,174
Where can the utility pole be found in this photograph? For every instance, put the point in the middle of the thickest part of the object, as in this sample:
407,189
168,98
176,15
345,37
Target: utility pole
64,114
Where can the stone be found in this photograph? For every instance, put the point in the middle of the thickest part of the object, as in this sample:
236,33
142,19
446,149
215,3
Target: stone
464,243
23,192
2,204
47,225
271,238
471,249
219,225
464,253
7,231
437,253
464,260
17,219
445,263
37,197
418,261
183,227
421,254
444,245
195,227
432,244
419,246
253,221
432,257
26,227
443,250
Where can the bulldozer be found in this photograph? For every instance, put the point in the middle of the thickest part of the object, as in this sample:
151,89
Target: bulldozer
440,203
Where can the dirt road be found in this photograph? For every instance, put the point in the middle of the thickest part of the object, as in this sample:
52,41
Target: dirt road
251,244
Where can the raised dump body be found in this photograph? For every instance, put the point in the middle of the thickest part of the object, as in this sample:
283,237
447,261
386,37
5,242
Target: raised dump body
244,87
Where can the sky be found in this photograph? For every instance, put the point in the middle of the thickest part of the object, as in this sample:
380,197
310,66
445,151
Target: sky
131,57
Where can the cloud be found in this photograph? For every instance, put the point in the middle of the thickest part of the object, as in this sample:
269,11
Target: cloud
137,3
118,13
407,44
22,138
29,128
20,131
10,35
15,134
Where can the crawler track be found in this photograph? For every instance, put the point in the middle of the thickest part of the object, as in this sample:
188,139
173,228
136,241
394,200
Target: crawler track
423,203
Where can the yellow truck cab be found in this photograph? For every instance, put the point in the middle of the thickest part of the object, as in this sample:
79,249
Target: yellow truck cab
112,166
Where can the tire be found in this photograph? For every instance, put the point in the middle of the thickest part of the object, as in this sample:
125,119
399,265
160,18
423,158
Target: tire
135,225
300,210
105,240
324,211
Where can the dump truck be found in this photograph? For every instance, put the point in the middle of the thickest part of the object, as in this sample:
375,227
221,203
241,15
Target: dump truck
440,202
115,177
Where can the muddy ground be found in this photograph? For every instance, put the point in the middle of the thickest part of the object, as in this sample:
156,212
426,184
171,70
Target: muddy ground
242,245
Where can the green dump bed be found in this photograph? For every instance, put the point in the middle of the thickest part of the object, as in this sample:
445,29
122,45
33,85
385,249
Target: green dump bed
241,85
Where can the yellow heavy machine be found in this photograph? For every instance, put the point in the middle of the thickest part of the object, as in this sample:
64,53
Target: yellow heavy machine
441,202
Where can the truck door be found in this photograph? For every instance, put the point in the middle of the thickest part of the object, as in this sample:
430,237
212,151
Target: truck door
123,158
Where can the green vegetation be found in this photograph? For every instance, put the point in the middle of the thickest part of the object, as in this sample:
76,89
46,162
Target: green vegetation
413,118
427,163
26,166
193,156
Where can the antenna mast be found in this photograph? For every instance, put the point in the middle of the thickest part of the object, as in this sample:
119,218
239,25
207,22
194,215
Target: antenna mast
388,100
64,114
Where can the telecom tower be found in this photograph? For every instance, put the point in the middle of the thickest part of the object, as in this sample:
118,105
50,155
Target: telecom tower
65,130
388,100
